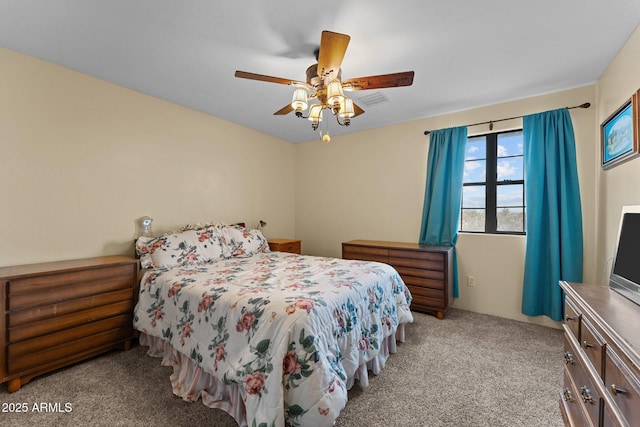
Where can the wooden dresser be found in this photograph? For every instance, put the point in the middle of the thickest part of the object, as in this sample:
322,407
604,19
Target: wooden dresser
602,358
425,269
58,313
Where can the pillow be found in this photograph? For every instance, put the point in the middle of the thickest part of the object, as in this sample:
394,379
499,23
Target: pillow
209,244
241,242
200,226
185,247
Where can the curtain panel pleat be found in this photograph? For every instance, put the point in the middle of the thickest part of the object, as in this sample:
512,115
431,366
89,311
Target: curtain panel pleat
443,191
553,212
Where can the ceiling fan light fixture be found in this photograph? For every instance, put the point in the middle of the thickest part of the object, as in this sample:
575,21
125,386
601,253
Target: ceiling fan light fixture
335,96
324,84
346,109
315,115
299,101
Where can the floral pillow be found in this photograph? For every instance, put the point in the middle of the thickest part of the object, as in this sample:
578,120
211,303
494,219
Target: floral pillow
186,247
241,242
209,244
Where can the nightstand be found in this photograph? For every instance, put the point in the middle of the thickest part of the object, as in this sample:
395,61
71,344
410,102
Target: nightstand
285,245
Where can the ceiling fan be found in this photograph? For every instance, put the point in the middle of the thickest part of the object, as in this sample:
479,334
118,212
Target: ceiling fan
324,83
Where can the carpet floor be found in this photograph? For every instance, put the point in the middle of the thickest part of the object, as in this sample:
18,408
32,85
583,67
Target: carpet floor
469,369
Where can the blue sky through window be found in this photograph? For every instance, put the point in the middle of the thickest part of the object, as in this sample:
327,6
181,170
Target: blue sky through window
510,166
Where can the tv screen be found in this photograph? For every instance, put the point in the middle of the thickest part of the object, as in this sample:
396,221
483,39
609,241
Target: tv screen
625,274
627,259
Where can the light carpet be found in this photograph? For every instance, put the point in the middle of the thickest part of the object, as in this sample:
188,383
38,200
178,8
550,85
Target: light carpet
469,369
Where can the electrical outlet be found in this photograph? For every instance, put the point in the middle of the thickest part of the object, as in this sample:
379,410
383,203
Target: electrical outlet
471,281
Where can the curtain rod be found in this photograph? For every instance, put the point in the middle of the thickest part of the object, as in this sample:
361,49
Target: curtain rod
491,122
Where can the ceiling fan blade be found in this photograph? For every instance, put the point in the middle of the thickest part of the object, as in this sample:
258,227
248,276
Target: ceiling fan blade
357,110
284,110
332,49
380,81
263,78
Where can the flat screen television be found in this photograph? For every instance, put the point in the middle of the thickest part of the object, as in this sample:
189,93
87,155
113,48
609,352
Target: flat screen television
625,270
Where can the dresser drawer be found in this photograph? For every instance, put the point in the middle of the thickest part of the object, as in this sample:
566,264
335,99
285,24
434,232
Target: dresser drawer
623,386
423,274
52,288
42,343
49,311
436,258
420,282
592,344
572,318
570,403
58,323
40,359
585,390
365,253
425,303
417,291
417,264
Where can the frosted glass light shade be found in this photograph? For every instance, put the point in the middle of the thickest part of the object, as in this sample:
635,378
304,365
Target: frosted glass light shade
299,100
346,108
315,113
334,93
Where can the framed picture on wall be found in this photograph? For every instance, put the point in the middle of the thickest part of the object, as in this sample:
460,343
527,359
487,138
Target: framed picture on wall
619,138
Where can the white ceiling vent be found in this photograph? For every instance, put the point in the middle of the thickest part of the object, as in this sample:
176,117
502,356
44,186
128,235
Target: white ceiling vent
371,99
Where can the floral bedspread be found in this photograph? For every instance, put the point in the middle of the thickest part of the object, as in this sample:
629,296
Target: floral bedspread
289,328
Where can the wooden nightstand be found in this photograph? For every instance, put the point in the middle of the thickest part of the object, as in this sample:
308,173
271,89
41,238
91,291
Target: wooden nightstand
58,313
285,245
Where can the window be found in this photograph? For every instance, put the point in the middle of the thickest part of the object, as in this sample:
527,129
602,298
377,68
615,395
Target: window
493,185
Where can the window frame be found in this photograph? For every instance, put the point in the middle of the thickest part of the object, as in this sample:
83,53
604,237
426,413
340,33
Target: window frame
491,184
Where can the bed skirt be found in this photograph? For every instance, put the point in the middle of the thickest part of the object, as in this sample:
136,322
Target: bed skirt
190,382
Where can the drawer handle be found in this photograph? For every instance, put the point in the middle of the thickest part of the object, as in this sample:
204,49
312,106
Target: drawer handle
615,390
586,345
567,396
568,358
569,318
585,394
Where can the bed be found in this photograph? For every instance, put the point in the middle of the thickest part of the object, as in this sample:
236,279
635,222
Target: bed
272,338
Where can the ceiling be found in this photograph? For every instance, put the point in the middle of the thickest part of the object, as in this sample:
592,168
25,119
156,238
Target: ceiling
465,54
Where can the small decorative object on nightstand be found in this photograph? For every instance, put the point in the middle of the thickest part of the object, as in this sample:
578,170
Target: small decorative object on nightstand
146,226
285,245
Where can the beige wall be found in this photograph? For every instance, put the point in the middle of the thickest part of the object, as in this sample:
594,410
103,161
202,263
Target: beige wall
621,185
366,185
82,159
370,185
497,262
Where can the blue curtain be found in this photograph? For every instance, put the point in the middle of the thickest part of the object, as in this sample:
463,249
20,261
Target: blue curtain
443,192
553,212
